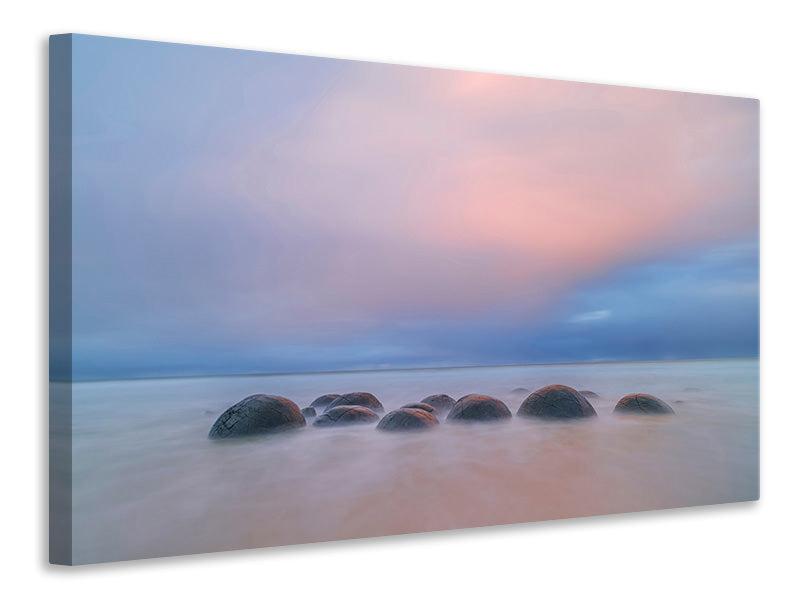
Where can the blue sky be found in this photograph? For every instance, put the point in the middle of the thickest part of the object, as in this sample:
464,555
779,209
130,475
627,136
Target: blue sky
239,212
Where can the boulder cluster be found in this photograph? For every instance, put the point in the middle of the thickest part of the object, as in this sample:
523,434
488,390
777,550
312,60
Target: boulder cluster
260,414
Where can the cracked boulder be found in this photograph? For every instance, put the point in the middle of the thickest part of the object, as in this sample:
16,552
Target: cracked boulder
475,407
255,415
422,406
556,402
341,416
323,401
643,404
441,402
364,399
408,419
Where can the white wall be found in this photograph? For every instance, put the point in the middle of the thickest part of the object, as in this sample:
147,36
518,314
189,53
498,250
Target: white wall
704,46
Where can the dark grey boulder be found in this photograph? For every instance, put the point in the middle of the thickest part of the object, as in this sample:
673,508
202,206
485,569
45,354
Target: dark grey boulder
556,402
309,412
643,404
441,402
408,419
422,406
323,401
520,390
256,415
475,407
340,416
588,394
357,399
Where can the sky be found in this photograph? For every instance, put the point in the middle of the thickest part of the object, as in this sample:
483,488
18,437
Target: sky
246,212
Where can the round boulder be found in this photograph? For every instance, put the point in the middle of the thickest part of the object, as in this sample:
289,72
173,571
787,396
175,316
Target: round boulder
309,412
422,406
556,402
256,415
408,419
475,407
643,404
358,399
340,416
588,394
323,401
441,402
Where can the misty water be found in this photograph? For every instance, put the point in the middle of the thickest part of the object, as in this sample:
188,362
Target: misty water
147,482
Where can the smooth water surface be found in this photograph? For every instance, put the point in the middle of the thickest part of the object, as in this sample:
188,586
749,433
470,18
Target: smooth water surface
148,482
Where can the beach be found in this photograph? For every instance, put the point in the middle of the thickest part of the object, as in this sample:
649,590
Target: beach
148,482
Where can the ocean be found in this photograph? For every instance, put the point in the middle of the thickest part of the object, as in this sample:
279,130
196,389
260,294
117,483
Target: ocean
148,482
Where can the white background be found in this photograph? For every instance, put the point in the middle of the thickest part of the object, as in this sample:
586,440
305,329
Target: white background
733,48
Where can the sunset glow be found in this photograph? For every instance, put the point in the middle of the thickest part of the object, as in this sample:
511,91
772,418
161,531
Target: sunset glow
253,212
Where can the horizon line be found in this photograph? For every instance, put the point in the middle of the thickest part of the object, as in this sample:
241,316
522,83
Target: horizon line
340,371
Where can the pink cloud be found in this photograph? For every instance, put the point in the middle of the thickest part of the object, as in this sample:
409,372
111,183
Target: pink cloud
451,192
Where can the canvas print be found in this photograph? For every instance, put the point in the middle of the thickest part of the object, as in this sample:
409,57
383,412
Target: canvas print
298,299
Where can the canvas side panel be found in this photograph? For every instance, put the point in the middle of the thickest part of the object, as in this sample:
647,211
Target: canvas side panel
60,281
758,433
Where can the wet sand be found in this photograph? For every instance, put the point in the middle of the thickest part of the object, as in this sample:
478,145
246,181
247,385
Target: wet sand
148,482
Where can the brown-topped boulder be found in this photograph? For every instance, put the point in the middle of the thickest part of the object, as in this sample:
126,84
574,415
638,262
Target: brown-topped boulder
255,415
556,402
323,401
476,407
588,394
643,404
441,402
421,406
358,399
408,419
340,416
